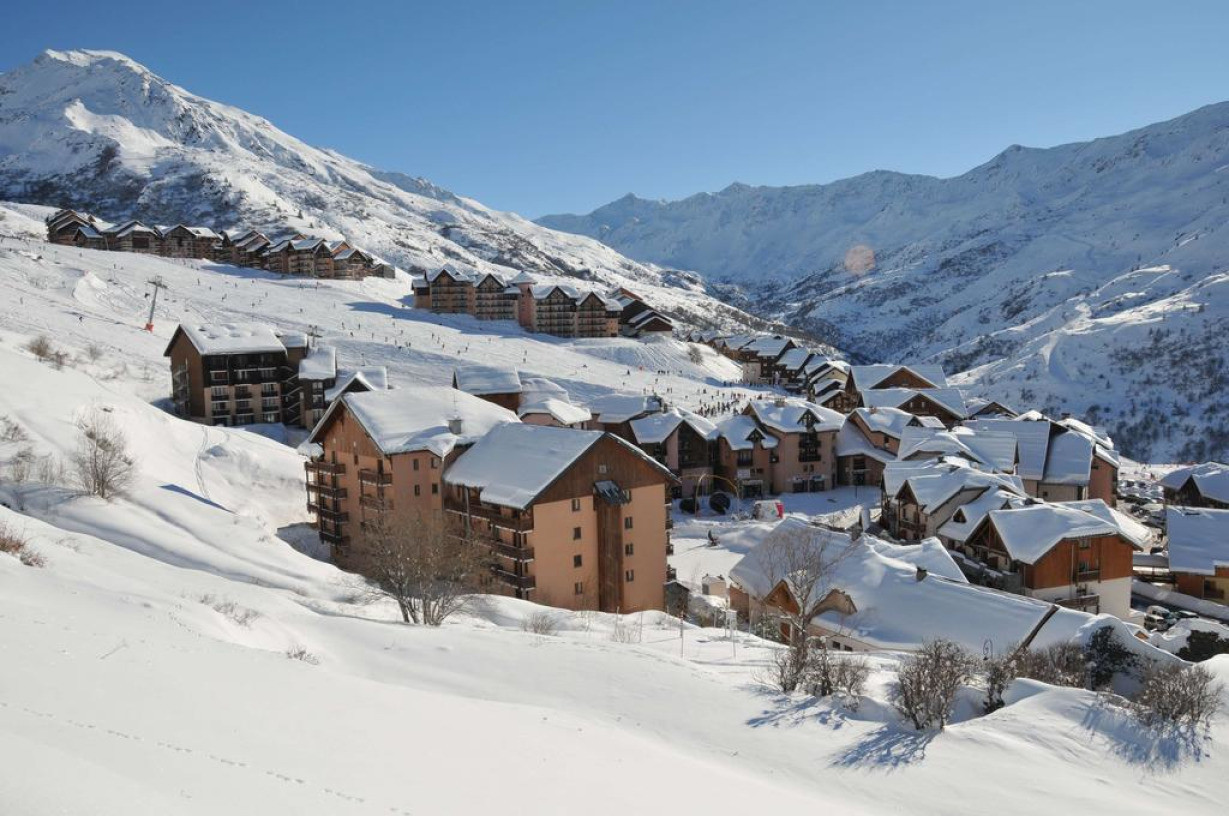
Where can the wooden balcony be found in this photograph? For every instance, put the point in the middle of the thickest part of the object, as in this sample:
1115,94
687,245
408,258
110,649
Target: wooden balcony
522,554
375,503
1082,575
328,513
375,477
328,491
1084,602
325,468
335,537
512,579
494,516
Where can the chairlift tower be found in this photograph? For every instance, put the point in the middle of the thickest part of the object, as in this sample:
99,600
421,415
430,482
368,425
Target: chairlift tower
157,283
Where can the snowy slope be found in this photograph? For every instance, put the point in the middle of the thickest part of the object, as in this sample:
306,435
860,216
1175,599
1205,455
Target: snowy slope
985,270
97,131
147,660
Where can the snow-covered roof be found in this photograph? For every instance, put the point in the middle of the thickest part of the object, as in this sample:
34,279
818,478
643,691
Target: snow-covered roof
1211,479
373,378
896,610
794,359
563,412
850,441
937,484
483,380
656,428
129,227
788,415
866,377
768,347
523,277
1130,529
949,398
1028,533
319,364
1198,539
615,408
198,232
738,430
1032,442
890,421
969,515
513,464
232,338
416,419
991,449
454,272
1069,458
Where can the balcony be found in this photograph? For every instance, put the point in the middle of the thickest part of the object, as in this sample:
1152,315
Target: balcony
334,537
375,503
1083,602
325,468
1082,575
494,516
375,477
327,513
522,554
512,579
328,491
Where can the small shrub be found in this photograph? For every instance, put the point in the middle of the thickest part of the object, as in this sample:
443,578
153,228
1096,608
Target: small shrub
102,464
41,348
1174,694
229,609
21,465
849,676
1107,657
1202,645
12,431
541,623
301,654
15,544
1062,664
998,671
49,470
624,632
94,352
32,559
927,682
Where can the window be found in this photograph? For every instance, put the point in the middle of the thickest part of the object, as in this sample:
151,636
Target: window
627,522
221,391
435,489
270,417
578,588
602,469
575,533
744,457
577,561
434,463
629,576
1084,543
575,505
629,549
415,464
417,490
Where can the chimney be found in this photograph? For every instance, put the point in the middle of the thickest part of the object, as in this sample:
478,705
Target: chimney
779,402
455,426
921,574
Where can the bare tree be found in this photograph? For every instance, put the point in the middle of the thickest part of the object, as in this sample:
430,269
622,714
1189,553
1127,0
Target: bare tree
41,348
428,565
805,560
101,463
1174,694
831,671
694,354
927,682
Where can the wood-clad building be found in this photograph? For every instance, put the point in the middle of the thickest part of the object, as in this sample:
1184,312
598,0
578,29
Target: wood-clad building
494,298
183,241
133,236
577,519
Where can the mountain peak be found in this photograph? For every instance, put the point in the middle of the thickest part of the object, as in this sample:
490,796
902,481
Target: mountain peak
85,58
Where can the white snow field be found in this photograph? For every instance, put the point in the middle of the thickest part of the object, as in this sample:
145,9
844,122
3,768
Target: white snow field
146,668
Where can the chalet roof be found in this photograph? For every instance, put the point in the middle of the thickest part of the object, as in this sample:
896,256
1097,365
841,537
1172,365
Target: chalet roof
1198,539
968,516
936,485
128,228
523,277
1130,529
740,430
890,421
416,419
1029,532
737,341
657,428
319,364
1068,459
563,412
768,347
794,359
197,232
948,398
544,291
371,378
230,338
647,316
88,231
1032,442
613,409
452,271
513,464
787,415
979,406
1211,480
994,450
850,441
484,380
866,377
895,610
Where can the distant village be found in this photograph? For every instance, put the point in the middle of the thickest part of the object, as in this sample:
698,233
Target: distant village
289,254
575,501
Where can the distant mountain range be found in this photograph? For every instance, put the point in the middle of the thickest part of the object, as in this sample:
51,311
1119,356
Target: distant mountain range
97,131
1086,277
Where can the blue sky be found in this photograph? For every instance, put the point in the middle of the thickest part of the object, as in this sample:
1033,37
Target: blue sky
561,106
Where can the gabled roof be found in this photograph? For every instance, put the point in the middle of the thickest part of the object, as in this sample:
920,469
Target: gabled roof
514,464
563,412
1029,532
890,421
788,415
1130,529
1032,442
129,227
364,378
894,609
1211,480
1068,459
866,377
850,441
523,277
950,399
993,450
613,409
229,338
1198,539
197,232
968,516
936,485
769,348
740,432
483,380
657,428
417,419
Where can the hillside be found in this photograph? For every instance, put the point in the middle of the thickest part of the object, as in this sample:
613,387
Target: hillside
148,660
1082,246
97,131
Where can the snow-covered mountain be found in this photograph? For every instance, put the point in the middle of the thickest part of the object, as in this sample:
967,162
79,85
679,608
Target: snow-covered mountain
97,131
1084,248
